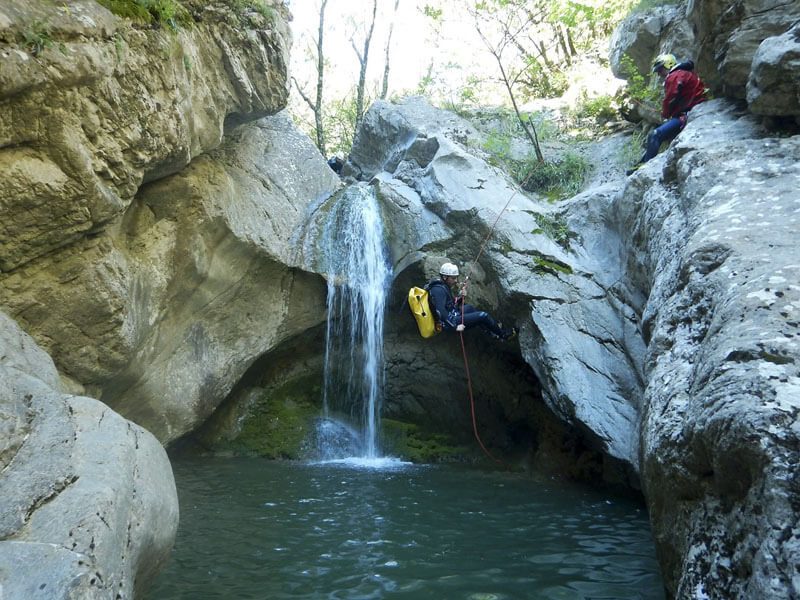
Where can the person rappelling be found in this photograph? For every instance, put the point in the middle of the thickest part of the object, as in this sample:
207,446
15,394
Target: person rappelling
683,89
453,313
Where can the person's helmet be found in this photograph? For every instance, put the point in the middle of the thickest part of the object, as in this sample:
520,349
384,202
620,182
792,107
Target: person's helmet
449,269
664,60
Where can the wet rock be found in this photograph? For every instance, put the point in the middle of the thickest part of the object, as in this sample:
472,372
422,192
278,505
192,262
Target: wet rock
566,301
665,329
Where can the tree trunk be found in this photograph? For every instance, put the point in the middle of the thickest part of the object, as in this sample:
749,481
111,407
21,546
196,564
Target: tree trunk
316,104
362,78
320,72
385,86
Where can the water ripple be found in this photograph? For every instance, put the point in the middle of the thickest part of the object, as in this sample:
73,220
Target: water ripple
256,529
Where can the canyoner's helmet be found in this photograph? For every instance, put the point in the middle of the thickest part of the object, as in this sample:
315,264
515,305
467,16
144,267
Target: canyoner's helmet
449,269
664,60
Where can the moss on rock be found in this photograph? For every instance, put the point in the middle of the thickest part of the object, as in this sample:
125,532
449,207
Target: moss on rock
412,442
278,421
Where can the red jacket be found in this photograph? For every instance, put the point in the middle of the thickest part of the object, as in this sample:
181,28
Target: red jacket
682,90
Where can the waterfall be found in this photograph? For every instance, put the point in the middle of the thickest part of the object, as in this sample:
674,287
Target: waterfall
358,282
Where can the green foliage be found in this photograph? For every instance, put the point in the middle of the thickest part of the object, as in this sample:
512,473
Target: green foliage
555,228
412,442
631,152
433,13
164,13
599,108
640,87
541,81
557,179
260,7
543,265
645,5
36,37
278,422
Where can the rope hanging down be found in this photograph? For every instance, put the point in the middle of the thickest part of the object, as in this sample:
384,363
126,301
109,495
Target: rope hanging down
461,333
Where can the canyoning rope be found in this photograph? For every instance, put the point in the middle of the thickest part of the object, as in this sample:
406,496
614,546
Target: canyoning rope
463,298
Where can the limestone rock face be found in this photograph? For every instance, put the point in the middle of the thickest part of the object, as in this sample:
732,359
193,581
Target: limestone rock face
105,106
151,260
88,507
666,328
773,87
635,43
578,329
161,313
743,49
711,228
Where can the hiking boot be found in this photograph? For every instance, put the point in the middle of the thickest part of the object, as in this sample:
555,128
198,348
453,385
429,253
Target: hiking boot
633,169
511,333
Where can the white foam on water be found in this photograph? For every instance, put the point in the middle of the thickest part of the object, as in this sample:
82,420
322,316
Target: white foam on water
379,463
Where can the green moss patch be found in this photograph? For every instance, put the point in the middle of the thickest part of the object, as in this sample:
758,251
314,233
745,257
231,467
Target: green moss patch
278,421
411,442
548,266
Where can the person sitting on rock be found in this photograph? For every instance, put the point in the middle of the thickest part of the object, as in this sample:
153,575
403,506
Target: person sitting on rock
450,311
683,89
336,162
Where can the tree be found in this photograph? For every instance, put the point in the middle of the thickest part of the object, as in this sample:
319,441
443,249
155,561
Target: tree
385,86
316,104
363,57
497,40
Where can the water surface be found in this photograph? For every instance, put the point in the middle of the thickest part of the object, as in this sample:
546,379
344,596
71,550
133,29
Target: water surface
269,530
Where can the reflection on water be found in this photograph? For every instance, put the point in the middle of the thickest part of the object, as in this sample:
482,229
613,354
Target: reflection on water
257,529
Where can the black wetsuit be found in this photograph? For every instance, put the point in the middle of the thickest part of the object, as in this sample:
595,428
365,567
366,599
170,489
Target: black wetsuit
449,311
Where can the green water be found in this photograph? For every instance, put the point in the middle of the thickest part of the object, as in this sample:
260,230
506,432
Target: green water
253,529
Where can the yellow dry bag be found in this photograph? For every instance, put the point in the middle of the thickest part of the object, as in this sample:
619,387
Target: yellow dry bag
418,302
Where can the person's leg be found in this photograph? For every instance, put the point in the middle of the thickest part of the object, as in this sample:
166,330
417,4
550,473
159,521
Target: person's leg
662,134
478,318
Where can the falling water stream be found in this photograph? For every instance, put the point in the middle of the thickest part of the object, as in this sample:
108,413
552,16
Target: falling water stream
354,259
354,525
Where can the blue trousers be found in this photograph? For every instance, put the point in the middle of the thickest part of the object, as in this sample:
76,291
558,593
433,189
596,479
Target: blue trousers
666,132
476,318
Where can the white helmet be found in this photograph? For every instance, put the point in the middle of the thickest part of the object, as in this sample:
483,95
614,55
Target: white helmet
449,269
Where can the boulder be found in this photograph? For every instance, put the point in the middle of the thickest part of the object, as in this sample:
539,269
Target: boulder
664,328
773,87
639,39
88,506
152,261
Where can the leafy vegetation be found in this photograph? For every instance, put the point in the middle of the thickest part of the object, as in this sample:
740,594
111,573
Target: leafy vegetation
554,228
278,422
36,37
645,5
556,179
599,108
164,13
543,265
412,442
258,6
642,88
